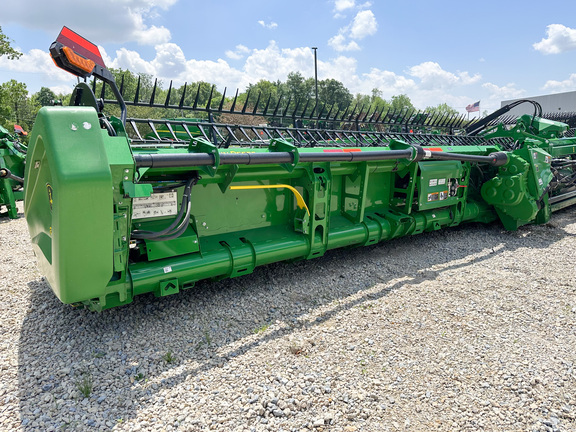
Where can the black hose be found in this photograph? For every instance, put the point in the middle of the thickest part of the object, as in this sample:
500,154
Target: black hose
182,228
178,226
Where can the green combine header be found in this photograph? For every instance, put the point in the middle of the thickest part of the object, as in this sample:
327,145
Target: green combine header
12,156
116,209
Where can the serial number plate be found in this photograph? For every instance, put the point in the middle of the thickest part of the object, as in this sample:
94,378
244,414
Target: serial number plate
156,205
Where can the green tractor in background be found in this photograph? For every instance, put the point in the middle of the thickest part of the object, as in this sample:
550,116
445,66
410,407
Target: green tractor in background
12,156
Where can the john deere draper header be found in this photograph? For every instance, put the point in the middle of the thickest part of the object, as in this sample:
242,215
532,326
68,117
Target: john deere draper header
118,207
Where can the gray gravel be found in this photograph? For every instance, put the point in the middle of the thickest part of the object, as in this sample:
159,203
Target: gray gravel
467,329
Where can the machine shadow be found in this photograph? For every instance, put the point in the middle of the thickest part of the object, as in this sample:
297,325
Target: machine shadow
125,353
5,219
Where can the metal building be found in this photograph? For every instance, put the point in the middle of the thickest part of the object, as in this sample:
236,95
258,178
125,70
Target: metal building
552,103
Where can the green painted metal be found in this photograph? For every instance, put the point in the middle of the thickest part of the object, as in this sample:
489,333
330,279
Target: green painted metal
113,216
86,194
12,156
69,202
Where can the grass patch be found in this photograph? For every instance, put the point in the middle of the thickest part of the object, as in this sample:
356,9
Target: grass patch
261,329
85,384
169,357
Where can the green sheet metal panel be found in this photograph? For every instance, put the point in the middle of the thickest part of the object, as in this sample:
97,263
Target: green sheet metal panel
68,202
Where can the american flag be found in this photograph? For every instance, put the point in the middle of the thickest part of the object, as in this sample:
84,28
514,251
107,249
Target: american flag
475,107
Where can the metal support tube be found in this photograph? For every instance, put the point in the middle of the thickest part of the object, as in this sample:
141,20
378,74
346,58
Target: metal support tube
6,173
206,159
349,156
494,159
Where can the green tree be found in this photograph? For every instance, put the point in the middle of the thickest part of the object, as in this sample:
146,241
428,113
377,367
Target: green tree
362,100
45,97
6,48
202,90
332,92
265,92
4,108
299,89
401,103
17,107
442,109
377,102
129,82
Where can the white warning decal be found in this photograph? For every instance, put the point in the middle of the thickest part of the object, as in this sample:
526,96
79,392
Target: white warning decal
156,205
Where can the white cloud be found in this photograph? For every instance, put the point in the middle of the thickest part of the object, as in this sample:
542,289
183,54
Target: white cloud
340,5
35,61
466,79
426,84
131,60
389,83
238,53
558,39
170,60
561,86
36,69
340,44
273,63
127,22
509,91
151,35
217,72
432,76
64,89
270,26
364,24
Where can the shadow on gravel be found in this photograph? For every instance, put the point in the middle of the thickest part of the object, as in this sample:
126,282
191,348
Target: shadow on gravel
118,358
5,219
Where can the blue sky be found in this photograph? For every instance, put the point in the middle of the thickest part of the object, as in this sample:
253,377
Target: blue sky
448,51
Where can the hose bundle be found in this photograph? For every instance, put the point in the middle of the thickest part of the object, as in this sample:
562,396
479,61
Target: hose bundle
180,223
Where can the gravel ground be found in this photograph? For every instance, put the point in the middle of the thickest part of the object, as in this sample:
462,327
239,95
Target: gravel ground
467,329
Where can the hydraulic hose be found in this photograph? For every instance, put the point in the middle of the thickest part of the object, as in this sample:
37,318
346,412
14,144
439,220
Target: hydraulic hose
178,226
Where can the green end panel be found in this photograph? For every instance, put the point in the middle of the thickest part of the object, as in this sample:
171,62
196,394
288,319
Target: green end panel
68,202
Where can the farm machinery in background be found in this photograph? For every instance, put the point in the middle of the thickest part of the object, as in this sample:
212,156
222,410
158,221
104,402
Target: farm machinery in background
12,157
119,206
